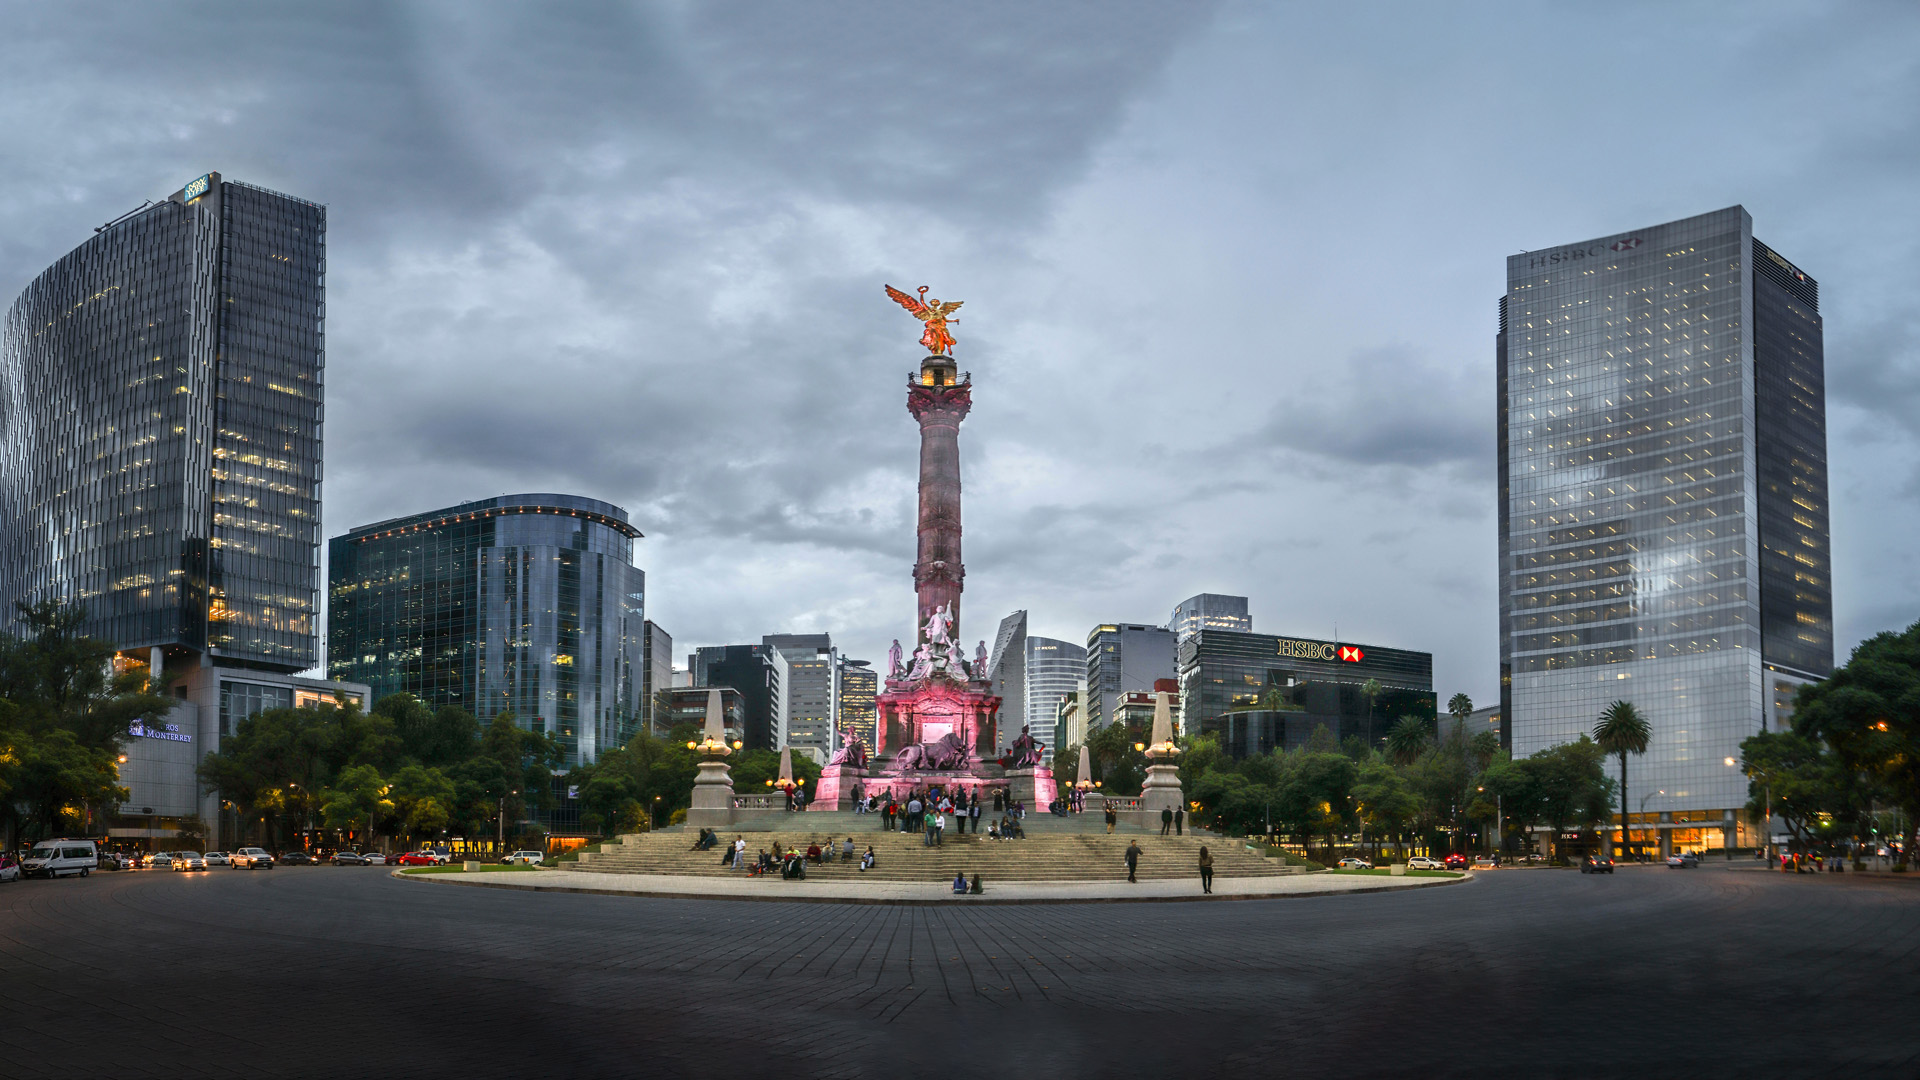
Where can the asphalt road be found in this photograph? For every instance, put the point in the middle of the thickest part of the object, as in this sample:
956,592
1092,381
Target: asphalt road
323,971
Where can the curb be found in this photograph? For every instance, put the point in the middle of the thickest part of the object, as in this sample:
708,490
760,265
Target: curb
588,890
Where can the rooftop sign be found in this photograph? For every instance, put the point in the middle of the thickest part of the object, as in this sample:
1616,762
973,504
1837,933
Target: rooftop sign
142,730
197,188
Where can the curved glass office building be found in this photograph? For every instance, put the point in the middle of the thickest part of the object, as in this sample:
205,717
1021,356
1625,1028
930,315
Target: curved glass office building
160,409
528,603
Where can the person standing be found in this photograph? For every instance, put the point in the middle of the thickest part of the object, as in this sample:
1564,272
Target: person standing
739,853
973,811
940,828
1110,819
1133,860
1166,821
1179,820
1206,869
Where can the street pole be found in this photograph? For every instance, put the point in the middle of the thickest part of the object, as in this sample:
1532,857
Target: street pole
500,823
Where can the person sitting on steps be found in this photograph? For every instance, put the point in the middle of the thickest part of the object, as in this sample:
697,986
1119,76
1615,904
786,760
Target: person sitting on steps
960,884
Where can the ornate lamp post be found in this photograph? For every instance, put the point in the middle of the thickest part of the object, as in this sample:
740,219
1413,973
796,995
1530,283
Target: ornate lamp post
1162,789
712,803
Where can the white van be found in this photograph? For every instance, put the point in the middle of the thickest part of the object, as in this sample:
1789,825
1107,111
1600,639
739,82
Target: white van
55,858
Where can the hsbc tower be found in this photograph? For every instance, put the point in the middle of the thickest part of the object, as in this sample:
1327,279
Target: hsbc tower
1663,507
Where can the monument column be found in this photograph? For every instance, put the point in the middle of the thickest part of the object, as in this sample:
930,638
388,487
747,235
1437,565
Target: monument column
939,398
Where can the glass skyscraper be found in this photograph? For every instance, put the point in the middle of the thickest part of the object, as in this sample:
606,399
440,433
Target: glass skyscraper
528,603
160,409
1054,669
1125,658
1210,611
1663,503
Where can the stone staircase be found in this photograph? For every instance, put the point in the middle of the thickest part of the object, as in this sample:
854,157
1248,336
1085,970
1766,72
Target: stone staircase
1057,856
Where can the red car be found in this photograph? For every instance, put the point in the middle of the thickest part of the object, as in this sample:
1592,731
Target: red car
1456,861
414,858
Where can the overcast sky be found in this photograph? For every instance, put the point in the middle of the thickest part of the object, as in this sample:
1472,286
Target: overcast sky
1230,272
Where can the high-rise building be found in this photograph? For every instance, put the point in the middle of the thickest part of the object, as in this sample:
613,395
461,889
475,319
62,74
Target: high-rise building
807,701
858,683
1663,503
755,672
1007,672
687,705
527,603
656,674
1054,669
1210,611
1124,657
161,396
1230,680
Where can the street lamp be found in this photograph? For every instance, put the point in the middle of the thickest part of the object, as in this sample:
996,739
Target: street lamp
653,815
500,821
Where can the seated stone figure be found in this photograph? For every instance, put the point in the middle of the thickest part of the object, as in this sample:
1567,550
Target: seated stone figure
852,753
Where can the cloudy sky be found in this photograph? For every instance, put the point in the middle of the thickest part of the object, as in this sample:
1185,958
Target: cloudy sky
1230,271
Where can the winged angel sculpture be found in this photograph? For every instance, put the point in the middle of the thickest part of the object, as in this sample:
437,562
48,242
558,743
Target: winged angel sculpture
932,312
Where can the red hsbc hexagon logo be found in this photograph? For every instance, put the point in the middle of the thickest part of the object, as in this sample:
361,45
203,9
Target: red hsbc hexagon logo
1351,654
1627,245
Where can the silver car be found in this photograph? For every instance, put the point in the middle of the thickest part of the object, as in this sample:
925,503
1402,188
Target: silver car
189,860
215,858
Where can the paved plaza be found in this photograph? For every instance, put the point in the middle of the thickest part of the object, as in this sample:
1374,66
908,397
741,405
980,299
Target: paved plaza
323,971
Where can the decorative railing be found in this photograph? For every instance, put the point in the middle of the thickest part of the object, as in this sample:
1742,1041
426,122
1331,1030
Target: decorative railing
1123,802
759,802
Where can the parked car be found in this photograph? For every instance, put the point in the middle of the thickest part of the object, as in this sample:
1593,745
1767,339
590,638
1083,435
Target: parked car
418,858
216,858
526,858
159,860
9,867
189,860
297,858
250,858
1456,861
1683,860
60,858
1422,862
114,860
1355,862
343,857
1597,864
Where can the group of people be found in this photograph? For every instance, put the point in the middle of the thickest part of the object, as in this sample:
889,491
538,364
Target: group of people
792,863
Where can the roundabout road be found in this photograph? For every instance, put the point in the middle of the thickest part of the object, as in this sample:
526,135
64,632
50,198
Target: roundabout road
324,971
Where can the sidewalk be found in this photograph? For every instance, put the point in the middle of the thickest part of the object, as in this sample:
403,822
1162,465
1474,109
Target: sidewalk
686,887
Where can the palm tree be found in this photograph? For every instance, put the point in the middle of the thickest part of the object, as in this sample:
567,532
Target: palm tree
1461,706
1622,730
1406,739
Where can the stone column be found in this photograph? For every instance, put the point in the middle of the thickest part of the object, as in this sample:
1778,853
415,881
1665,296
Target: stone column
713,789
1162,790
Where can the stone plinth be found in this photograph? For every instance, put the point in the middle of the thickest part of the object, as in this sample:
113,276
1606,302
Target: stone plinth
712,795
1162,791
836,788
1034,787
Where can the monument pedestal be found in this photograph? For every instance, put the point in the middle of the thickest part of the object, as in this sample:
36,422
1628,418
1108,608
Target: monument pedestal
712,805
1162,791
1034,787
836,788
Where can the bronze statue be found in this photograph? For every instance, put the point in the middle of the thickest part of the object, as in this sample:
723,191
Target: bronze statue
932,312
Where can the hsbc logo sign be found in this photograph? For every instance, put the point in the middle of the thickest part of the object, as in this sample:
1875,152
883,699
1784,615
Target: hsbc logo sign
1296,649
1550,259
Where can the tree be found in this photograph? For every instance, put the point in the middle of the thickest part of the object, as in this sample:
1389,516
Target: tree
1868,714
423,799
1561,786
1120,768
1621,730
1797,778
1370,692
1461,706
356,797
1383,800
1408,739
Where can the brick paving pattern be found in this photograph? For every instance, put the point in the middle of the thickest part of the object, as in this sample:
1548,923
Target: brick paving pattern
322,972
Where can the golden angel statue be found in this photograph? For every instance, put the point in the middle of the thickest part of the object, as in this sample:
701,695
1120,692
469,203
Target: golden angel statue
932,312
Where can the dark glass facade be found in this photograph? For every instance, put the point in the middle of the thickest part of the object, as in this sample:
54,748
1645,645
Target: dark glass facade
1663,494
859,684
527,603
1125,658
161,399
1223,673
750,671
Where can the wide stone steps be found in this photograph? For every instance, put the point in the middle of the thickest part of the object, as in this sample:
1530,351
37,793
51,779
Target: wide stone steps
903,857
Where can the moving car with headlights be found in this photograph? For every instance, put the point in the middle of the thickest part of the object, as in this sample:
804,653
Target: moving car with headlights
418,858
159,860
1422,862
374,858
189,860
433,855
250,858
297,858
1355,862
1456,861
216,858
343,857
1597,864
60,858
526,858
9,867
1683,860
114,860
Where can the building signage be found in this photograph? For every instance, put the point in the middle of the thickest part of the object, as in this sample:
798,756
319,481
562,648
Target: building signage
1352,654
197,188
1548,259
1319,650
140,729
